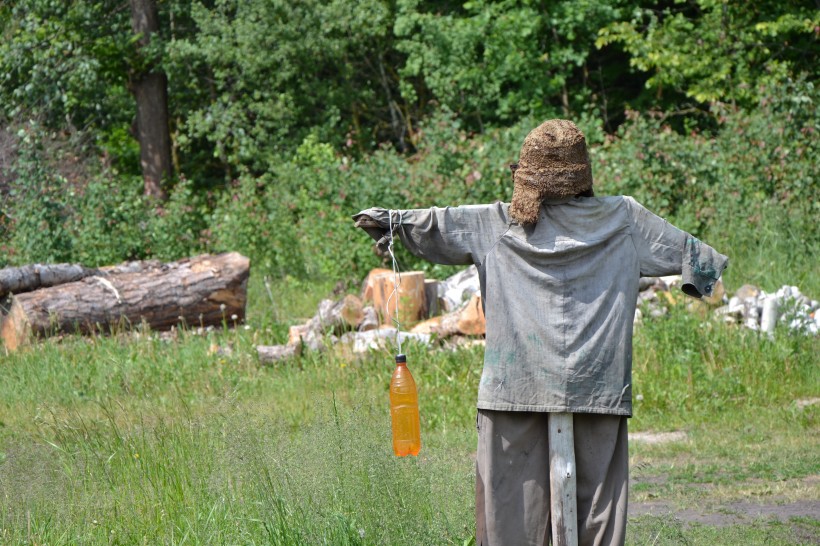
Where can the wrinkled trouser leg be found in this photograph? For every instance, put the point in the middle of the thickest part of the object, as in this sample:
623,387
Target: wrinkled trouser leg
512,478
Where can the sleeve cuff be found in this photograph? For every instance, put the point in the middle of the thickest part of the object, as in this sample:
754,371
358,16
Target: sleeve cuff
702,267
377,215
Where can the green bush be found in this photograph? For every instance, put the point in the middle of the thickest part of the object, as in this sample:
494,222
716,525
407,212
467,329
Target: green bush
747,187
36,206
178,228
249,218
104,225
94,219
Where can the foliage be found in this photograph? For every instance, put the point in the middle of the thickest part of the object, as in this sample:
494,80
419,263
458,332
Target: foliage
279,109
156,439
717,50
179,227
249,218
277,71
249,80
63,62
494,62
54,216
748,187
35,208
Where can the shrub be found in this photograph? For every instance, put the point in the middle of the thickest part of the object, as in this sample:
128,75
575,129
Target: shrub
744,182
36,206
748,187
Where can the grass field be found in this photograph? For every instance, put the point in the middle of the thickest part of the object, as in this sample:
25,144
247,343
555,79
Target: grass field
143,439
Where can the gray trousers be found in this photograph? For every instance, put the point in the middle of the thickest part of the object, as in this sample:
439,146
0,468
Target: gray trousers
512,478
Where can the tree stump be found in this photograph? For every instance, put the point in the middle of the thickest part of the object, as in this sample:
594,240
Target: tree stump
410,297
201,291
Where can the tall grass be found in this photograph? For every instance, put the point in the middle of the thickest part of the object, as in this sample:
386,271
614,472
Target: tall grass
136,440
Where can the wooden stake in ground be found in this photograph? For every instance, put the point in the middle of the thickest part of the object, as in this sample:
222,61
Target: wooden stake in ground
563,490
201,291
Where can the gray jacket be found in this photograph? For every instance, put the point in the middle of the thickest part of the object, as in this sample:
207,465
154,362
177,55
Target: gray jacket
559,297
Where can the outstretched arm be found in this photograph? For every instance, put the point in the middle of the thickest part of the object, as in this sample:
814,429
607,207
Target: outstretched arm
664,249
450,235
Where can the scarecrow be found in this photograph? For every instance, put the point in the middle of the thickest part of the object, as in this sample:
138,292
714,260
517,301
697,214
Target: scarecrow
559,271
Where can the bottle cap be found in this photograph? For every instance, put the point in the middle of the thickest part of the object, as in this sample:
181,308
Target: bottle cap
401,358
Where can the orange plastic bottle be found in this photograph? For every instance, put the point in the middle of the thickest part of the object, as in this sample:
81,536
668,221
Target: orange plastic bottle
404,410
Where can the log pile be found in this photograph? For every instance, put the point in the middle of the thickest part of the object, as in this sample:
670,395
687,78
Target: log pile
332,319
459,298
200,291
367,321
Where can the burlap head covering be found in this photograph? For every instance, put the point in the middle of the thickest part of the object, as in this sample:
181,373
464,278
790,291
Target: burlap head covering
553,164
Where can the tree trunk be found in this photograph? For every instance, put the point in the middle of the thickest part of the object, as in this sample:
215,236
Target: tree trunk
200,291
150,90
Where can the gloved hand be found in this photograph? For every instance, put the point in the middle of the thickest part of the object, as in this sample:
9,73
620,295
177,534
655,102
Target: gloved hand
375,230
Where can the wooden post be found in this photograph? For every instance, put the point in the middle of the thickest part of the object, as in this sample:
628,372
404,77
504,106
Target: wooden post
563,491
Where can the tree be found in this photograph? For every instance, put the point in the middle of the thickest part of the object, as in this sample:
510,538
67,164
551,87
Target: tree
149,85
719,50
496,61
273,72
79,68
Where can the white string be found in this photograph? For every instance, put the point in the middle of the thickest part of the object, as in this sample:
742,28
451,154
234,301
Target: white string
396,276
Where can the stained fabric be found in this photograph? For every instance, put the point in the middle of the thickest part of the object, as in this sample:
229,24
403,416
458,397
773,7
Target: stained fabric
559,296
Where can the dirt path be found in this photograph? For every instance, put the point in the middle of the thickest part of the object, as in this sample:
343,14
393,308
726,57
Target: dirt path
733,513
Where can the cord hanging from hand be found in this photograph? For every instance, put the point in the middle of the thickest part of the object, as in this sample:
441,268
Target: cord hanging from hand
396,275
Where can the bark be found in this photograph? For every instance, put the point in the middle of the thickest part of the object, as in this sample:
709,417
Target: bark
341,316
16,280
270,354
431,289
370,319
200,291
150,90
331,317
467,320
409,297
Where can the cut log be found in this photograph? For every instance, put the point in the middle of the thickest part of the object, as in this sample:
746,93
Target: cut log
718,293
17,280
342,315
270,354
332,317
431,288
410,297
431,326
448,325
467,320
201,291
298,332
457,289
367,285
471,319
370,320
137,266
